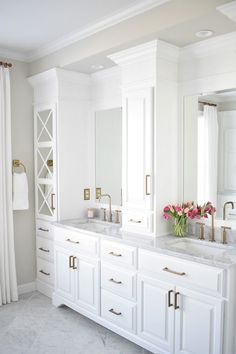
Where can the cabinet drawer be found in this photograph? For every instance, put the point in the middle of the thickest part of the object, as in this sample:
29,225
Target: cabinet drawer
45,248
44,228
199,275
119,311
118,253
137,221
45,271
119,281
76,241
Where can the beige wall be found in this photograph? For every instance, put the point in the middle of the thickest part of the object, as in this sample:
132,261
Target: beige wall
22,148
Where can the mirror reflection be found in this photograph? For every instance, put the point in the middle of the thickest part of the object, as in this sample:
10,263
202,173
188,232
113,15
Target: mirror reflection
210,150
108,154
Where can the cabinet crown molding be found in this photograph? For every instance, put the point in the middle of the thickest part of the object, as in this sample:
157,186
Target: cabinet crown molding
59,75
146,51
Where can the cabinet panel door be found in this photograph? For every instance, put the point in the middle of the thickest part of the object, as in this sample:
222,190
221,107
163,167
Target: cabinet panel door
64,280
138,148
155,316
45,161
86,283
198,323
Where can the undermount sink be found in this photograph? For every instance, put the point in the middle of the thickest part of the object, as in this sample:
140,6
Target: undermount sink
97,226
199,248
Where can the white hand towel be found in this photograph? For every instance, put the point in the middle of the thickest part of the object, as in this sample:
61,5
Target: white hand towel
20,191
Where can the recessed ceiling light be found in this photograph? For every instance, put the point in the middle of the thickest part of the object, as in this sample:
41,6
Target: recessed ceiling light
97,67
204,33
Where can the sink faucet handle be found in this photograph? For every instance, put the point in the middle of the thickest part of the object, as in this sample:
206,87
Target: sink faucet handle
201,230
118,213
224,234
104,214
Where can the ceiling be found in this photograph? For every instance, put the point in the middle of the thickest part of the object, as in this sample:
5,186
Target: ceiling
34,29
26,25
219,97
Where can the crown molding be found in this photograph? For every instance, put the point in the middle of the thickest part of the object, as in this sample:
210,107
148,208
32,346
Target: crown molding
228,10
146,51
94,28
14,55
208,47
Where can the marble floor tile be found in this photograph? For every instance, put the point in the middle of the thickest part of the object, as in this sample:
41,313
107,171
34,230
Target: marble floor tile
34,326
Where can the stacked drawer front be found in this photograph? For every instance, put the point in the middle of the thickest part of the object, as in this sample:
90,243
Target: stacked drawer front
45,257
118,282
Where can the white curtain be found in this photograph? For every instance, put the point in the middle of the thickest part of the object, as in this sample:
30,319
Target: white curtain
207,155
8,284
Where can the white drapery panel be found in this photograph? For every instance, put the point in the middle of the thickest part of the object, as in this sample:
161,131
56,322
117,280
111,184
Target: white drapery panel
8,284
207,155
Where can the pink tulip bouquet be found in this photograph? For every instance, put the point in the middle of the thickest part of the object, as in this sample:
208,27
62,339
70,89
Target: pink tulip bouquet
186,211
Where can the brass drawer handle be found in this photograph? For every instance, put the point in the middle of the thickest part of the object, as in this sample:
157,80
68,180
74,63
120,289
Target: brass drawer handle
176,300
42,271
146,185
52,201
74,266
115,313
42,229
115,281
115,254
70,262
166,269
43,249
135,221
169,298
71,241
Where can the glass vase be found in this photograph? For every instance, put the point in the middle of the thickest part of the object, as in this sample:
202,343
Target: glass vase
180,227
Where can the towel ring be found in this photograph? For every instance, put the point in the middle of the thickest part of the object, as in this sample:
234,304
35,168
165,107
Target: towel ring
18,163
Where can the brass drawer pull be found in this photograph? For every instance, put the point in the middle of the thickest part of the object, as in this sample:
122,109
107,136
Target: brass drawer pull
70,262
115,254
169,298
115,313
135,221
44,230
74,266
42,271
176,300
115,281
43,249
166,269
146,185
52,201
71,241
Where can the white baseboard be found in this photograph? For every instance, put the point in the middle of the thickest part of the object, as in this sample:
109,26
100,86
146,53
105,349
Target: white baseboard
26,288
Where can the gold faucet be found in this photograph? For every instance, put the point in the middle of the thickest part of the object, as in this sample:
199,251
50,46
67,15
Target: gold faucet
201,229
212,235
110,213
224,234
224,208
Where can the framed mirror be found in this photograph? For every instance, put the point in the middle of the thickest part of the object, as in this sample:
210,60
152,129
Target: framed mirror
209,151
108,153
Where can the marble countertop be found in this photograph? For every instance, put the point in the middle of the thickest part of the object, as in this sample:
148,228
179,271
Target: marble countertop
189,248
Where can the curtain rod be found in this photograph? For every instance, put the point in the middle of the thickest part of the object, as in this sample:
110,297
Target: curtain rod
209,104
6,65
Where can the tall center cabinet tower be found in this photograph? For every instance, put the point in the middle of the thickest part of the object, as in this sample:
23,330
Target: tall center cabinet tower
61,119
150,134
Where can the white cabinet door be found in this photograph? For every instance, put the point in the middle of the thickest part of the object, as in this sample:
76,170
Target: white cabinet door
198,323
156,313
86,283
138,112
45,161
65,274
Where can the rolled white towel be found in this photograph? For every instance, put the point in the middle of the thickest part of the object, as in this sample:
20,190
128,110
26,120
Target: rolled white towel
20,191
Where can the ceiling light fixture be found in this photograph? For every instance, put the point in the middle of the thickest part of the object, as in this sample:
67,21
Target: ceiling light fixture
97,67
204,33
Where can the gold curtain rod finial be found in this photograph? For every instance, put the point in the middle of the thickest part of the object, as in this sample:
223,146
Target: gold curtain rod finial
5,65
